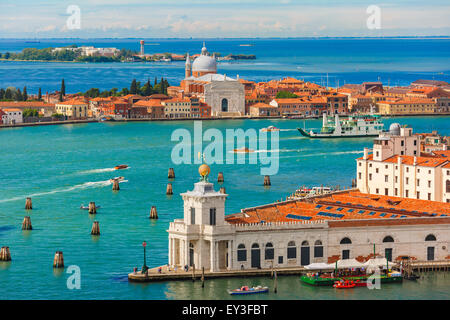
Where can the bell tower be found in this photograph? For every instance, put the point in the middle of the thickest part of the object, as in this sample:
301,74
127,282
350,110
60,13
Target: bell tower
188,67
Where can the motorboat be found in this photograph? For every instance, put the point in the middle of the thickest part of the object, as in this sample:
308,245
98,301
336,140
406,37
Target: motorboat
120,167
116,178
270,129
247,290
243,150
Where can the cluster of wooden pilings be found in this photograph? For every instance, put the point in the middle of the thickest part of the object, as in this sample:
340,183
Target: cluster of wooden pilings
58,261
153,213
267,181
5,254
115,185
220,178
26,224
95,231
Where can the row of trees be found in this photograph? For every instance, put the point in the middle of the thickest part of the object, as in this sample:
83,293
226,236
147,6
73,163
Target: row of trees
15,94
135,88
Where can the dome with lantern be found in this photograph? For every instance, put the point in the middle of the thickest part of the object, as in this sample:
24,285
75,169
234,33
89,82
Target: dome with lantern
205,63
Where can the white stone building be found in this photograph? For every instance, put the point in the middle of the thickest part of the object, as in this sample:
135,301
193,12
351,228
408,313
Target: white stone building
225,95
12,116
396,169
343,225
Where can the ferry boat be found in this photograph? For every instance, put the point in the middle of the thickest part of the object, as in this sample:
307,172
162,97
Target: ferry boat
349,127
247,290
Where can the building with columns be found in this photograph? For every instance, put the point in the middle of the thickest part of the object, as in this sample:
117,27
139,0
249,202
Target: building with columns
342,225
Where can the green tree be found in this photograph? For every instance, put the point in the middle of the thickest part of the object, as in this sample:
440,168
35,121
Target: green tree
18,95
30,113
285,94
9,94
2,94
147,89
39,94
133,87
7,55
25,94
124,92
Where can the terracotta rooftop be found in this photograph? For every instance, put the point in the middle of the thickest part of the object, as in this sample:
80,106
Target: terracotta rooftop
350,205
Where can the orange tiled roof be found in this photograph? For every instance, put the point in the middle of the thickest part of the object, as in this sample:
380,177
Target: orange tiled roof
421,161
17,104
261,105
351,205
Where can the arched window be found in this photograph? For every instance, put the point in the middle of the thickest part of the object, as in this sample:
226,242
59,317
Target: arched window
269,252
241,253
305,243
224,105
291,250
346,241
318,249
255,246
430,237
388,239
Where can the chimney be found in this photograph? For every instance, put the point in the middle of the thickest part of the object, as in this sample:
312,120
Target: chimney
415,160
366,153
444,147
399,161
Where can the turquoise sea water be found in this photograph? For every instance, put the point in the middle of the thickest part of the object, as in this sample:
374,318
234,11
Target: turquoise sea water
62,167
392,61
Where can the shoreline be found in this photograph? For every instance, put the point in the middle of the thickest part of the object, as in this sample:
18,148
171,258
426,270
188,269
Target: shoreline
36,124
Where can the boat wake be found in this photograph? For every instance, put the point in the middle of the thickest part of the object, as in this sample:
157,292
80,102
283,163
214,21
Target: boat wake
97,171
325,154
288,129
83,186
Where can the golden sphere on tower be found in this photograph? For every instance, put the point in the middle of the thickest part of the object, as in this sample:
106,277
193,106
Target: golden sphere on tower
204,170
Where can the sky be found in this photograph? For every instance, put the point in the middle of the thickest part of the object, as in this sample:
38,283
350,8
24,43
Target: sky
221,18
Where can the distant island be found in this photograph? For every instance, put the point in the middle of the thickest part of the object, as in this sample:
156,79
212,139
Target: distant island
73,53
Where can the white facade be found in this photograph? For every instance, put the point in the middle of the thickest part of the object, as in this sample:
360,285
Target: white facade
395,170
12,116
225,97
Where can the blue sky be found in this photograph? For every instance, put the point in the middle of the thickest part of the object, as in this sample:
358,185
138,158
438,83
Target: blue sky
222,18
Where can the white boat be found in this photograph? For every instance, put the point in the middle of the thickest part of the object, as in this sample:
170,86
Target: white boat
349,127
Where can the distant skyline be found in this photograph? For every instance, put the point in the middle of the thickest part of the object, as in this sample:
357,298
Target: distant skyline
222,18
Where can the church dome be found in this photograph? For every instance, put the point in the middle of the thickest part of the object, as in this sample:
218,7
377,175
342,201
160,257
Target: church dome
394,129
204,63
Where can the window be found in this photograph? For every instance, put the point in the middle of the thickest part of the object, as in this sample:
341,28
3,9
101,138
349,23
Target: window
359,175
386,191
386,178
346,241
269,252
345,254
430,237
241,253
447,186
318,249
291,250
388,239
418,182
192,215
212,216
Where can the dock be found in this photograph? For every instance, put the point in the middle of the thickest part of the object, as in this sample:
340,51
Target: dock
152,275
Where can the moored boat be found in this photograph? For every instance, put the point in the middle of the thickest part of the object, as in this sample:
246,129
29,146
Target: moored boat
349,127
248,290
